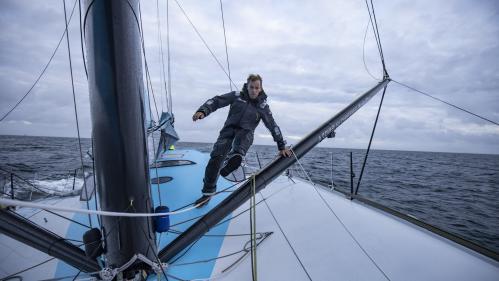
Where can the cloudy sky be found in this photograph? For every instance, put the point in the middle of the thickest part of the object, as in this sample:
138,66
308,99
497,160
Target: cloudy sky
309,54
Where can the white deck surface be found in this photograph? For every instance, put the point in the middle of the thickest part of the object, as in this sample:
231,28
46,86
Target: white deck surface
16,256
356,242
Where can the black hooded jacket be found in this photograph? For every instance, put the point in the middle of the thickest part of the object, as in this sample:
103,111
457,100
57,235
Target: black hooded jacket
245,113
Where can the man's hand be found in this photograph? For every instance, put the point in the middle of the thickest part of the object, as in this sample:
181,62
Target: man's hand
286,152
197,115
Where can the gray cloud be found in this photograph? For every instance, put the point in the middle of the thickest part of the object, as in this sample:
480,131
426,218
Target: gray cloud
309,54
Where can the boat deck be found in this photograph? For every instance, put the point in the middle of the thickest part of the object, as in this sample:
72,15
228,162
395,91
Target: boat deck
305,232
314,238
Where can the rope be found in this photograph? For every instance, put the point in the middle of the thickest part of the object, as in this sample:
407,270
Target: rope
254,272
76,111
340,221
10,202
245,249
446,102
370,141
43,70
225,39
204,42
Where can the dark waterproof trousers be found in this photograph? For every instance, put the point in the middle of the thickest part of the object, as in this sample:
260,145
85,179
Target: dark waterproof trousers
232,140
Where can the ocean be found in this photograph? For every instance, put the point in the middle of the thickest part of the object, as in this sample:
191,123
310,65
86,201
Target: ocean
456,192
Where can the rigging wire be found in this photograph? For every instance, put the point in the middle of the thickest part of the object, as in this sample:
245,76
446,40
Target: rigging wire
374,29
225,40
66,218
78,274
370,141
41,263
338,218
44,68
204,42
148,77
376,35
446,102
379,38
24,270
162,57
151,117
285,237
364,53
76,112
168,56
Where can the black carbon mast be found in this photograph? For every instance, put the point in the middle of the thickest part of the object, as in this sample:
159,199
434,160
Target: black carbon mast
115,77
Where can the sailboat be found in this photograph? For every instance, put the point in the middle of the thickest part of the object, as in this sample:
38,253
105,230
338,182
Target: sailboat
138,220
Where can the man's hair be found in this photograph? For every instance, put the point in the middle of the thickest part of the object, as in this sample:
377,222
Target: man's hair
254,77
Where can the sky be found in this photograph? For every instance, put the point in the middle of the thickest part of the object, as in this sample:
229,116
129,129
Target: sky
309,53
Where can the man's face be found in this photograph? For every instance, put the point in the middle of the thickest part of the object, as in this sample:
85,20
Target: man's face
254,89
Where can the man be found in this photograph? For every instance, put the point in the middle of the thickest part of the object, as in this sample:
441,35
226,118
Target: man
247,108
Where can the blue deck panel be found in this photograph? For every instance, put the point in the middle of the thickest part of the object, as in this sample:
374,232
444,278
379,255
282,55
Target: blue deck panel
185,188
76,231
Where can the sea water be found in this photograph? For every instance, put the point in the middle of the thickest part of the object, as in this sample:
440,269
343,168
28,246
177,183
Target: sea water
456,192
